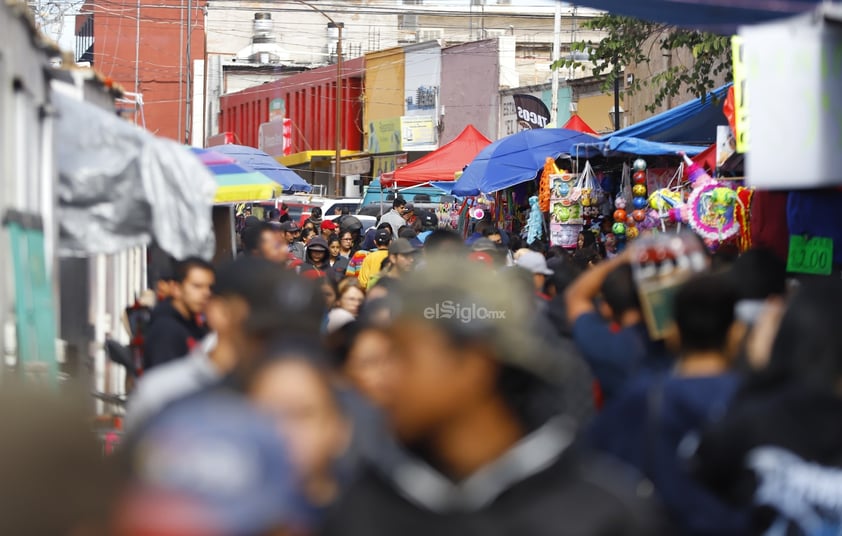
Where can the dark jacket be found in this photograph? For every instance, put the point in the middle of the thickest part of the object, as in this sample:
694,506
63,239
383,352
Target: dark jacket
170,335
323,267
337,271
541,487
647,425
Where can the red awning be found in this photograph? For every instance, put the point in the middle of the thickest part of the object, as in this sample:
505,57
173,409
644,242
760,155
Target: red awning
441,164
576,123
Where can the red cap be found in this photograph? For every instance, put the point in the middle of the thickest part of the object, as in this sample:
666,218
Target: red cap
328,225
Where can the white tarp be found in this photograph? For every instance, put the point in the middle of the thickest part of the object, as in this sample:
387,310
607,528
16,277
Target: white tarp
120,187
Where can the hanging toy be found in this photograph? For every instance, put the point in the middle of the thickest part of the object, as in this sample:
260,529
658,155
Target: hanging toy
639,165
544,188
639,177
639,203
619,215
619,228
639,190
639,215
664,199
620,203
535,223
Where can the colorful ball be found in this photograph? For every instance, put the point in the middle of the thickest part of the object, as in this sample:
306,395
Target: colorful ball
639,177
632,232
619,228
639,215
639,203
639,165
630,221
620,215
639,190
620,202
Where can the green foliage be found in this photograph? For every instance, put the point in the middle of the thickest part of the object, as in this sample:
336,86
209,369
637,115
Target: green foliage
631,41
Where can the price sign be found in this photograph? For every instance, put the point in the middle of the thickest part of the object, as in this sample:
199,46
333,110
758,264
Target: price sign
810,255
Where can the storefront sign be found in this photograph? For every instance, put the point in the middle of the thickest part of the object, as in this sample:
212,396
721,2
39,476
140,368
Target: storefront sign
386,164
384,136
357,166
419,133
277,109
275,137
531,111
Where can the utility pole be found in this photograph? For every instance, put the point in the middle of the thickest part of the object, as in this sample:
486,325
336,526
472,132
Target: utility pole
338,139
556,55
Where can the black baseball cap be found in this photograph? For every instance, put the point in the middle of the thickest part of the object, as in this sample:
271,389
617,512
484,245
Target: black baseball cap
429,219
290,227
382,237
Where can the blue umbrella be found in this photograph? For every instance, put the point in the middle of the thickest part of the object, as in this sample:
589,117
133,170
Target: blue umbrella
262,162
516,159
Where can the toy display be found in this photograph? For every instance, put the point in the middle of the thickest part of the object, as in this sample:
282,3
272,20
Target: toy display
535,222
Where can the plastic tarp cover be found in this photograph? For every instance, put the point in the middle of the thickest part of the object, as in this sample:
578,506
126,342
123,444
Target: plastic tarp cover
120,187
710,15
620,146
693,122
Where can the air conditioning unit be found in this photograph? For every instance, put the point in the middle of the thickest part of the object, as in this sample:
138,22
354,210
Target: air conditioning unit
430,34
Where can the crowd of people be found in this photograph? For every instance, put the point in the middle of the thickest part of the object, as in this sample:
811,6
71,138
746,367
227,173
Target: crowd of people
406,380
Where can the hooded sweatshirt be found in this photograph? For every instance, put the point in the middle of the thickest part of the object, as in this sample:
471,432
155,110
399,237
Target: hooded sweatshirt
309,264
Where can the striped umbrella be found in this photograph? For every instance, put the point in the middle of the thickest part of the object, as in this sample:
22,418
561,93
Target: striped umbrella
234,181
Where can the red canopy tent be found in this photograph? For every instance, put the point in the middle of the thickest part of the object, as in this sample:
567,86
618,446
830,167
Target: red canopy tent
576,123
441,164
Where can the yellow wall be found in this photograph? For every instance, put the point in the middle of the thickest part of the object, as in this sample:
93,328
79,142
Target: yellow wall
593,109
384,81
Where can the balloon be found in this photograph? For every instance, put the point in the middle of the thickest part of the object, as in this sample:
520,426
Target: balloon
620,202
639,165
664,199
632,232
619,228
619,215
639,215
639,177
639,190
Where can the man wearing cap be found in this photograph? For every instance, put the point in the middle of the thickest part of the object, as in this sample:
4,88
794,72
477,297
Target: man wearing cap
402,257
374,261
327,228
395,217
317,263
243,289
429,223
536,264
292,233
484,448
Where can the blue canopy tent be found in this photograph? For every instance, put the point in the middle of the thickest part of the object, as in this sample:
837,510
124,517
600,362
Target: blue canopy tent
693,122
622,146
710,15
514,159
265,164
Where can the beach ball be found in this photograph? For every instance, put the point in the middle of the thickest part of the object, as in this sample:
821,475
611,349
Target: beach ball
639,177
632,232
620,202
619,228
639,190
619,215
639,215
639,165
639,203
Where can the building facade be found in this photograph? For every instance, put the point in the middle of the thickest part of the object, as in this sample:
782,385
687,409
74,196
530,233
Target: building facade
151,51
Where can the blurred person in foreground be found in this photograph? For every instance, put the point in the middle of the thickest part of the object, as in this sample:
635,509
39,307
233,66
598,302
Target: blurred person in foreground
176,327
778,450
371,266
481,454
350,297
54,479
610,333
265,240
211,466
646,424
243,287
293,386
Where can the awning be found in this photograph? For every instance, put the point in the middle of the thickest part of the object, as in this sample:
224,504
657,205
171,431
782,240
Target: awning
710,15
693,122
578,124
622,146
120,187
442,164
265,164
